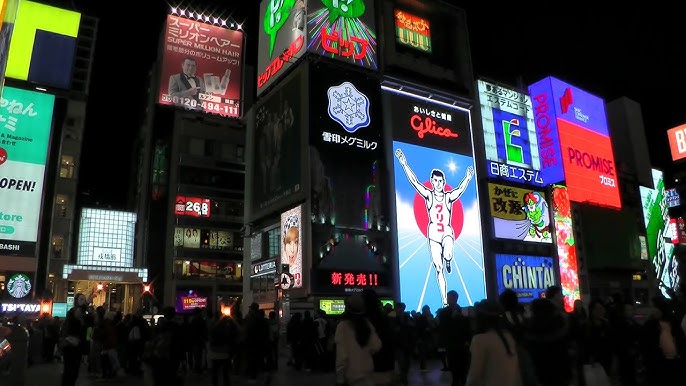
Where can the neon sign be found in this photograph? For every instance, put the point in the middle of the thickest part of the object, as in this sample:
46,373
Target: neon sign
348,106
353,279
528,276
413,31
566,247
192,206
277,64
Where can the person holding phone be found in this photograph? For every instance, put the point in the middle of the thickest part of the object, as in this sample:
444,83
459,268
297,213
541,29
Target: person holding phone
185,88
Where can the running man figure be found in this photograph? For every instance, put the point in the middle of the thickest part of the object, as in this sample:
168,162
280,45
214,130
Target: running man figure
439,205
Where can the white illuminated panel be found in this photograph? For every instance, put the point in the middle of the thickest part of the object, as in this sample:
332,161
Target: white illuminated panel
106,238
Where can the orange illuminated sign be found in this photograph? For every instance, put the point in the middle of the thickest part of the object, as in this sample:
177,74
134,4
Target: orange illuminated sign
413,31
677,142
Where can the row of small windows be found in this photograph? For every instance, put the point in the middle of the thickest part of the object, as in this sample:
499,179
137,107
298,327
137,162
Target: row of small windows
216,149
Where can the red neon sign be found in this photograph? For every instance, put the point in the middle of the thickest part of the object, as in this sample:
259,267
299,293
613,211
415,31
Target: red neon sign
352,279
589,165
429,126
192,206
336,44
277,64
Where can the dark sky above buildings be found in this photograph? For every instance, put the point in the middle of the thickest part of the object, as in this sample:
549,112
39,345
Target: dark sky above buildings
633,52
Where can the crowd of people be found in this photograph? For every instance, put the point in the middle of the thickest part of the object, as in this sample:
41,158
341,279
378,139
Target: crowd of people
494,343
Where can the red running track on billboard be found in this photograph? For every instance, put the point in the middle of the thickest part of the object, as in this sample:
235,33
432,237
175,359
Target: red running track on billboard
201,67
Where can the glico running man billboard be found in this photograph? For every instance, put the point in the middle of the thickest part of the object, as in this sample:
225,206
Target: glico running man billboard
201,67
519,214
343,30
574,142
26,122
660,248
437,210
281,40
509,135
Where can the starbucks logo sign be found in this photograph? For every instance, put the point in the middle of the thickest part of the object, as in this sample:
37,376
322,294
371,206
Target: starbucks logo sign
19,285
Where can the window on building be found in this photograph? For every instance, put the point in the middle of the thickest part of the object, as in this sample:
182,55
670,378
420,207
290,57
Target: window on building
228,151
274,244
57,245
240,153
61,205
196,146
67,166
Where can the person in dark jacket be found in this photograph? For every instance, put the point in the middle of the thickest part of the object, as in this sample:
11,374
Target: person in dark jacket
384,359
455,330
73,340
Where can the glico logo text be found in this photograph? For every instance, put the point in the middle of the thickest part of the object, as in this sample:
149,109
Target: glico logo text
429,126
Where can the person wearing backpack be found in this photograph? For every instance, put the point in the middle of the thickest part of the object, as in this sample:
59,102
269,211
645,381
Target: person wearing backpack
221,345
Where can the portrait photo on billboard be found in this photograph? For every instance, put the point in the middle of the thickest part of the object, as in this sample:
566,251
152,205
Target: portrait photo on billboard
278,130
426,123
281,40
527,276
201,67
24,142
519,214
343,30
438,227
291,244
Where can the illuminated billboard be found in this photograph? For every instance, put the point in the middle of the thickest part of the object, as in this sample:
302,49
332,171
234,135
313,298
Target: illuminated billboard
282,38
660,248
527,276
343,30
677,142
43,45
566,246
106,238
291,245
8,14
201,67
437,209
574,143
188,300
519,214
25,125
192,206
412,31
509,135
277,131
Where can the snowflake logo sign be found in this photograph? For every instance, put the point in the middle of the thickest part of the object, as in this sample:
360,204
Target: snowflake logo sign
348,106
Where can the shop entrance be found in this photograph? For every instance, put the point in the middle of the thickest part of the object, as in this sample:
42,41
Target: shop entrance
113,296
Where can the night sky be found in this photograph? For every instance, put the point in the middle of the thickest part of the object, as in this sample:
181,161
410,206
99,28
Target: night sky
634,52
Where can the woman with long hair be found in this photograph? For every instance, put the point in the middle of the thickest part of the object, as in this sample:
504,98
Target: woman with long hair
356,342
494,360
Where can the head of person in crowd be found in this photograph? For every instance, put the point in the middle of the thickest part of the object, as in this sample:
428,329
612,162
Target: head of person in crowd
554,295
510,301
453,297
372,303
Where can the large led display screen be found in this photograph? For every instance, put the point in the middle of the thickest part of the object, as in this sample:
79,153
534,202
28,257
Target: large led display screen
291,244
660,248
25,125
509,135
527,276
574,143
189,300
349,203
43,44
437,209
343,30
278,123
566,246
519,214
677,142
281,40
201,67
106,238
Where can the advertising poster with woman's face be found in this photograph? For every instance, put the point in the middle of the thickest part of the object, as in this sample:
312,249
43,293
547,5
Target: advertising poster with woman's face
291,240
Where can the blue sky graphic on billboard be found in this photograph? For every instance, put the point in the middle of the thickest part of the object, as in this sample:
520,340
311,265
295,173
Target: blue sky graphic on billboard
509,135
439,245
528,276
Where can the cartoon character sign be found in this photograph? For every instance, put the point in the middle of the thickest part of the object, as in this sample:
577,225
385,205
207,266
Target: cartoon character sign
519,214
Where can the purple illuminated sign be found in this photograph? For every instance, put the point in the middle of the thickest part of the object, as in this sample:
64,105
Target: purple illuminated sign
547,135
578,107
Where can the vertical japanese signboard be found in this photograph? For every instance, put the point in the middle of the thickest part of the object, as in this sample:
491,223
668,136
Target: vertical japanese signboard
566,247
201,67
509,135
343,30
437,209
25,125
519,214
281,39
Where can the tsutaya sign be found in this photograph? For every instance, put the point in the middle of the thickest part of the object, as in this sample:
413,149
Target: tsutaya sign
20,307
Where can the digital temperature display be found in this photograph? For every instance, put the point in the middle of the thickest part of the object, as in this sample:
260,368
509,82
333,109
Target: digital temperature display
192,206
